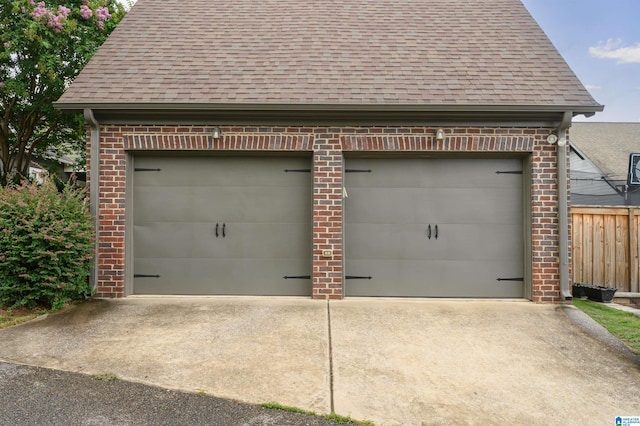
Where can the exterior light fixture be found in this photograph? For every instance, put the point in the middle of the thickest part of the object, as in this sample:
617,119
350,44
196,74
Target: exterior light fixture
440,135
216,133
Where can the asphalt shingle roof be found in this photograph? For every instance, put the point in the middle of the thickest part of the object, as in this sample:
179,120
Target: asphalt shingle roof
340,52
607,145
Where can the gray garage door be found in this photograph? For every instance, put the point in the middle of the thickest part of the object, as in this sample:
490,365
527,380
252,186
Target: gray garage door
434,228
224,225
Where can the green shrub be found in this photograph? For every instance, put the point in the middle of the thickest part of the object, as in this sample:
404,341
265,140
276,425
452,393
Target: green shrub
46,245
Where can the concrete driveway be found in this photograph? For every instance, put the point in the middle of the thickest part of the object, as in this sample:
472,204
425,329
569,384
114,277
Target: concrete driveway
395,362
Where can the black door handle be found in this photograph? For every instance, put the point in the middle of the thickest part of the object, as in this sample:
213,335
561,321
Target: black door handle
224,234
216,230
436,232
429,231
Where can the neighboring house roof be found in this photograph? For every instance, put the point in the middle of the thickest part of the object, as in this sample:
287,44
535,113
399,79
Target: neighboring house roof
600,163
608,145
336,52
588,183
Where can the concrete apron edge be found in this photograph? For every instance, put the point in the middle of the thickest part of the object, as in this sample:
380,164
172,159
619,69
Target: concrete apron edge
429,299
370,299
205,296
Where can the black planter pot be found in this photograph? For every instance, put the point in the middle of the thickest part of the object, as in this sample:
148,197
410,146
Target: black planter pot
594,292
579,291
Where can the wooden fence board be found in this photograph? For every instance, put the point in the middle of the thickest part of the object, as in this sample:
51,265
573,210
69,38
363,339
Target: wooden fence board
634,250
609,260
606,246
587,231
577,254
598,249
621,264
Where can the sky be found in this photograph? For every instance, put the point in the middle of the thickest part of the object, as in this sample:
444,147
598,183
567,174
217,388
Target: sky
600,40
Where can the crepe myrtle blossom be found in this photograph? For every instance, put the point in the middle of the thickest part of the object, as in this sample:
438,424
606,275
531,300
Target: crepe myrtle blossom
56,19
102,14
40,10
85,12
63,11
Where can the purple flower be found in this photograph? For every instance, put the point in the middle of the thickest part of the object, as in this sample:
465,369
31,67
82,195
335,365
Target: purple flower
85,12
1,84
40,11
63,11
102,13
55,22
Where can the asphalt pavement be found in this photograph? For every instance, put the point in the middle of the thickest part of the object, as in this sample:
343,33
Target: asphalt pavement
39,396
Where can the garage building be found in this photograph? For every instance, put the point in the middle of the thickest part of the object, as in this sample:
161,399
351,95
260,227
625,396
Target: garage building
406,148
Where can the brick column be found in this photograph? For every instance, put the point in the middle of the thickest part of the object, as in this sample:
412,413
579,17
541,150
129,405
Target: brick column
327,273
544,192
111,214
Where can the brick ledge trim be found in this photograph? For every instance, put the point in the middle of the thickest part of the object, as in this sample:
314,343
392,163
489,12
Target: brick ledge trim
231,142
428,143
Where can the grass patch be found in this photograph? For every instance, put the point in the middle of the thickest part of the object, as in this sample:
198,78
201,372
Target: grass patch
11,317
342,419
105,377
333,416
624,325
276,406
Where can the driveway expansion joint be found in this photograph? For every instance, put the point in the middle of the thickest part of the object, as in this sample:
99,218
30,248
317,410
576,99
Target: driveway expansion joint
331,399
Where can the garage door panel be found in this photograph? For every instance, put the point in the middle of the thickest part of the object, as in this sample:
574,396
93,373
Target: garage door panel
207,204
475,242
405,241
265,204
440,173
465,173
185,240
478,205
384,173
197,276
440,278
263,217
384,205
416,205
191,172
411,242
174,240
267,240
171,204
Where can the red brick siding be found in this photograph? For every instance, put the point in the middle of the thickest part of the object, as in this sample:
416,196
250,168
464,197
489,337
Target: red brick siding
111,214
544,193
327,216
328,146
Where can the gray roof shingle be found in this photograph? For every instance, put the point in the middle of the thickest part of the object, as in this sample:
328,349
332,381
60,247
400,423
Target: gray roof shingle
340,52
607,145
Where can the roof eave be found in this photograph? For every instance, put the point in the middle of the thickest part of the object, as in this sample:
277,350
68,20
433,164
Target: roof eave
326,113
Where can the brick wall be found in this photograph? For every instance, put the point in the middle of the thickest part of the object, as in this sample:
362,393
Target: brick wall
328,146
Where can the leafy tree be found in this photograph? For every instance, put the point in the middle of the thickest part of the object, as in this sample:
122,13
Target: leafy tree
43,46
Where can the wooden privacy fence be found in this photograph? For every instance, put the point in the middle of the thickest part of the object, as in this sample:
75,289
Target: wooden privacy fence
605,246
